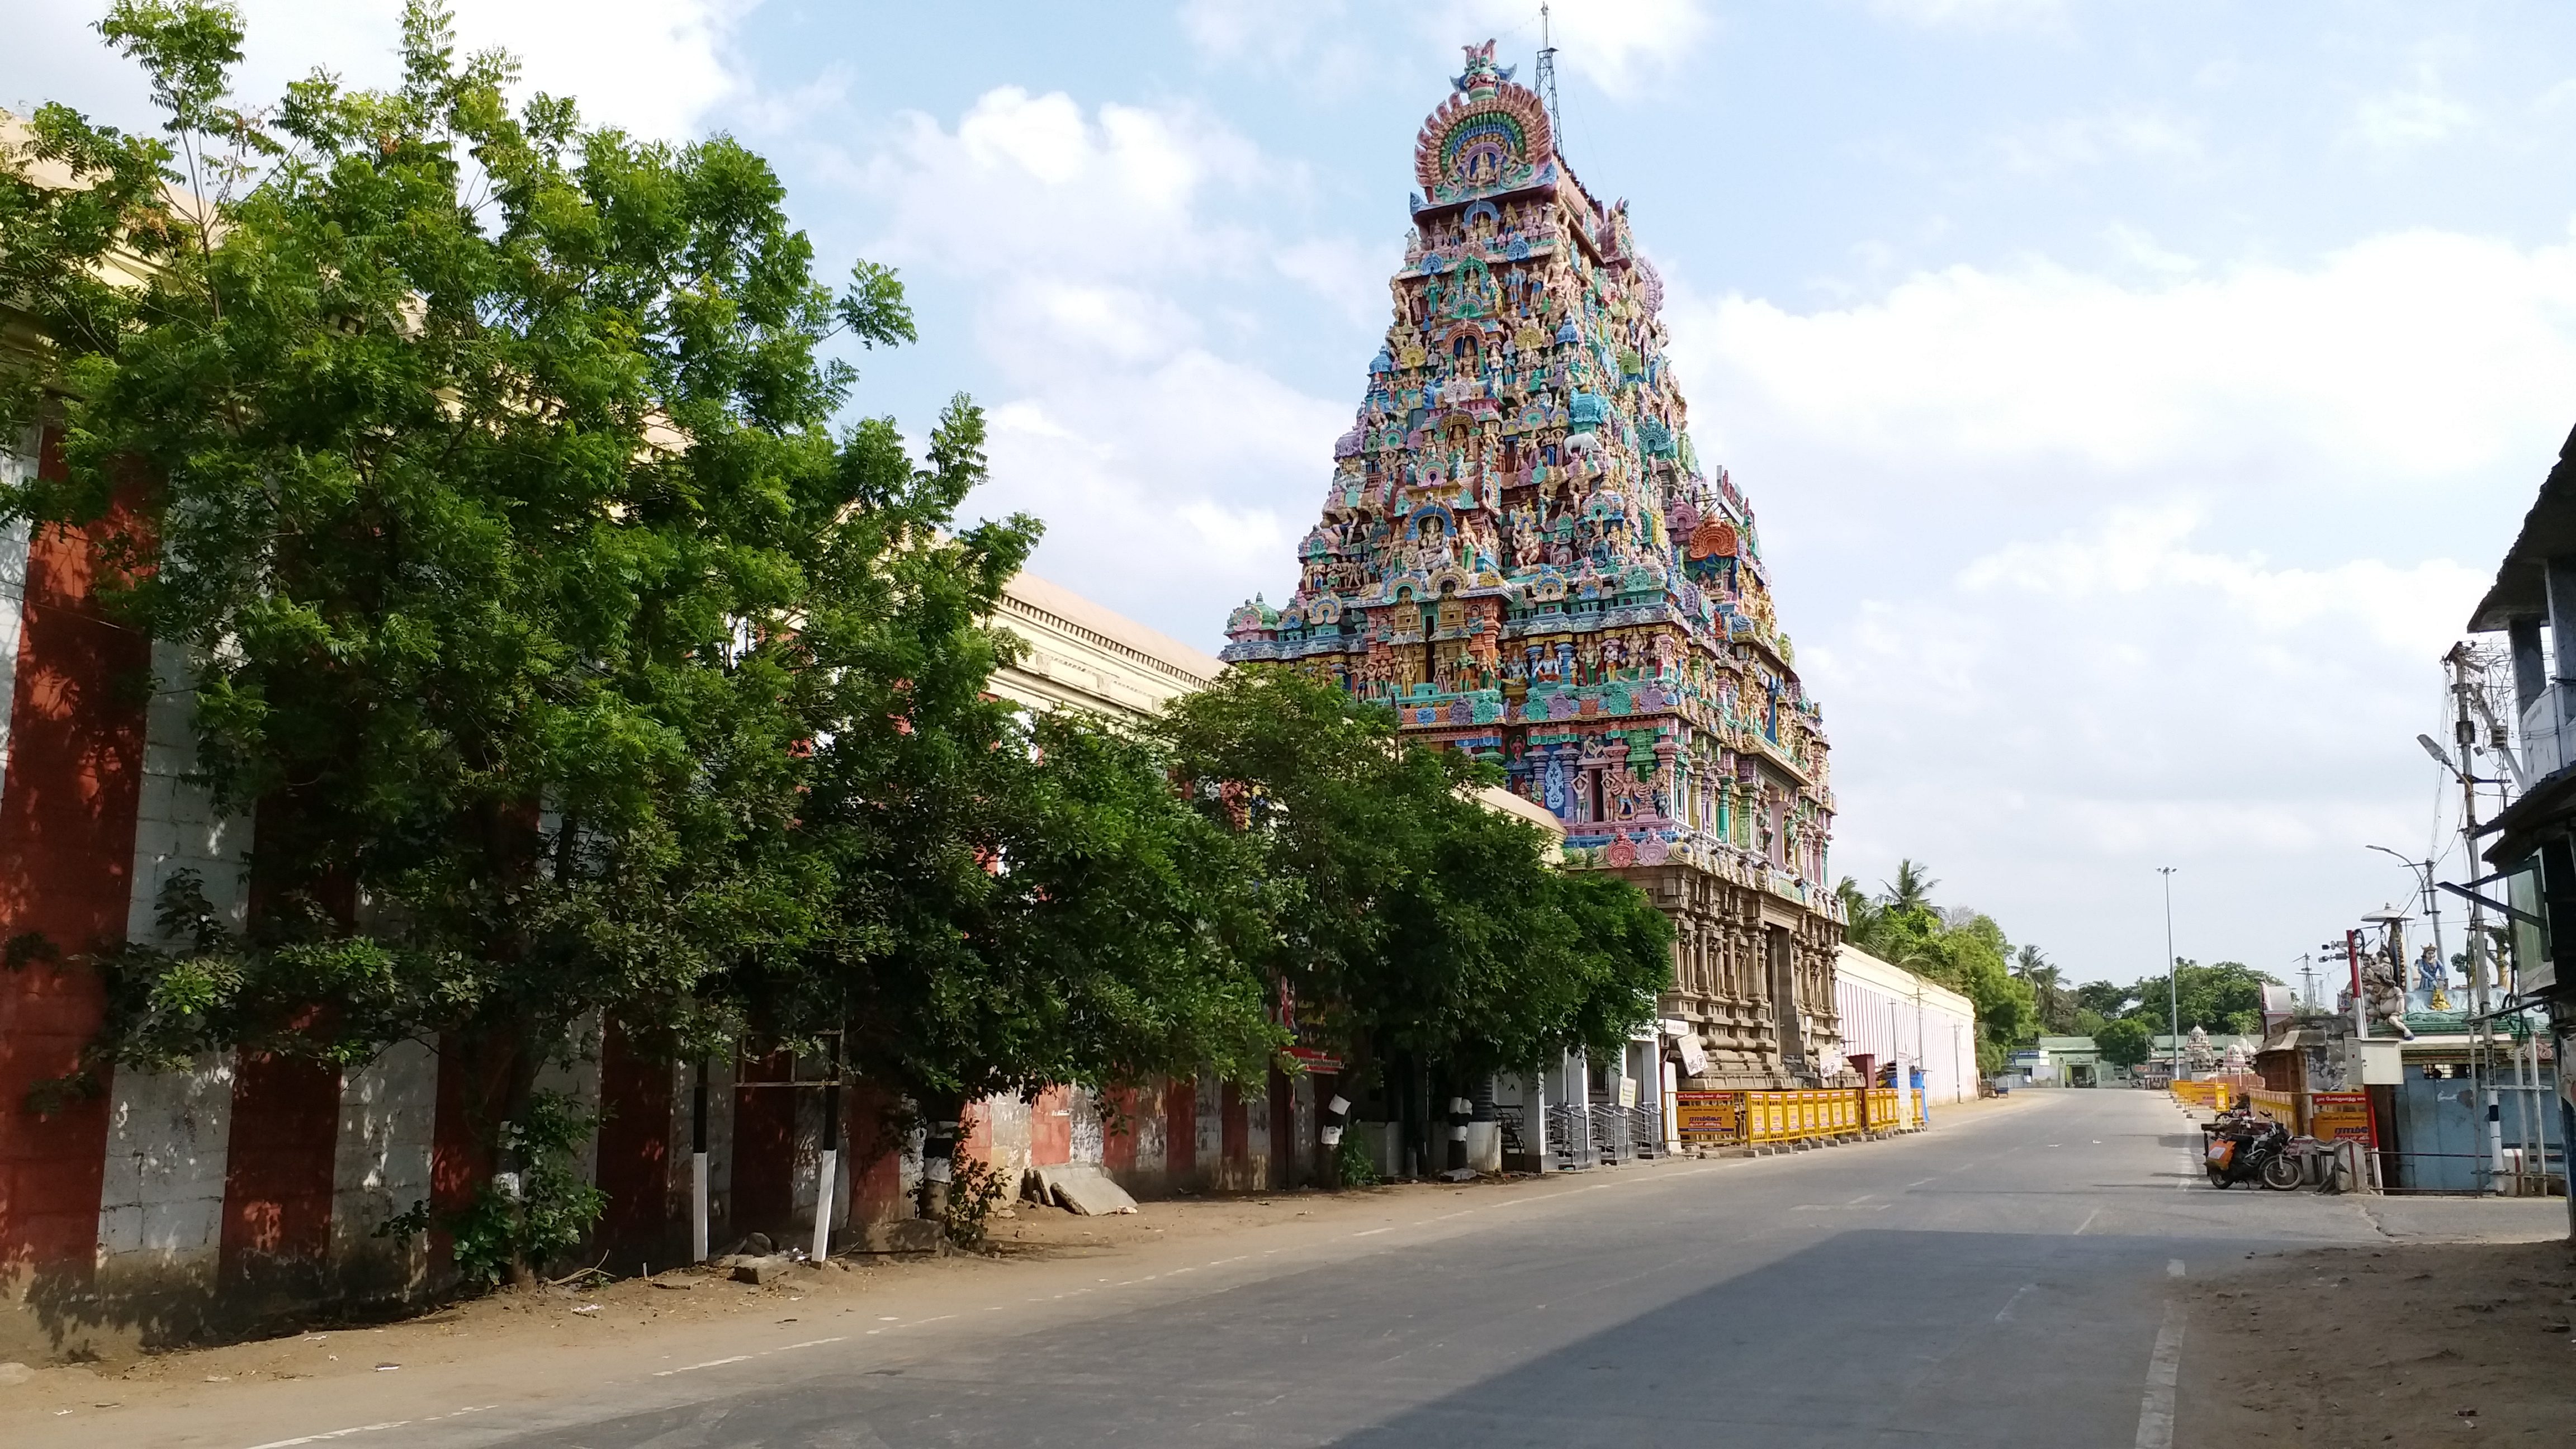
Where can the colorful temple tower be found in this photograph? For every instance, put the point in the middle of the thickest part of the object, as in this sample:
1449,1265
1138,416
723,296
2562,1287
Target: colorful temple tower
1523,554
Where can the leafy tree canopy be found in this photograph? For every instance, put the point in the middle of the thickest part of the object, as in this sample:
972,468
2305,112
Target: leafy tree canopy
473,468
2226,998
1963,950
2126,1042
1406,918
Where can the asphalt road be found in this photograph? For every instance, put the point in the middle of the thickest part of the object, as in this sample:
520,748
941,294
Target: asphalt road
2001,1280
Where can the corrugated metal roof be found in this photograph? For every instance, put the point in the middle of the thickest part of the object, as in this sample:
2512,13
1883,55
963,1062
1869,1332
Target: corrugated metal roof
2521,589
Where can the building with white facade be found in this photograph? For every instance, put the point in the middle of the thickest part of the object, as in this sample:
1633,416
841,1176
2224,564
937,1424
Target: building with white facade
1889,1014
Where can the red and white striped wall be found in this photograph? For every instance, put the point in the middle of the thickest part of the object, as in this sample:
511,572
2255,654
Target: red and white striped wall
181,1204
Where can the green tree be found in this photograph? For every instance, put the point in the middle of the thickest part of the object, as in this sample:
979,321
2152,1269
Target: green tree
2104,999
567,660
1420,931
1863,917
1911,890
1965,951
2126,1042
2054,1006
2226,997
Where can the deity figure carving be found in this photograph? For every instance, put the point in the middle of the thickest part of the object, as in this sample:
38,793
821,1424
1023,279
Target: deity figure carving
2383,993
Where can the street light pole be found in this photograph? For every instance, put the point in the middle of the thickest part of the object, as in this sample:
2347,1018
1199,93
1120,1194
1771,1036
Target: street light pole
2482,1004
2423,870
2173,991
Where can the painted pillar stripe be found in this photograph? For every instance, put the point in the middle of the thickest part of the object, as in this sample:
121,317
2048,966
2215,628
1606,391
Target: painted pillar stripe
635,1149
277,1171
67,803
764,1126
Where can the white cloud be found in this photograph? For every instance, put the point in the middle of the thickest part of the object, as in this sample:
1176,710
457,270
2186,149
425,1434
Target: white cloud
1974,14
2405,357
655,67
1103,249
2139,552
2090,140
2096,575
1343,273
2060,715
659,68
2417,115
1614,44
1167,489
1029,182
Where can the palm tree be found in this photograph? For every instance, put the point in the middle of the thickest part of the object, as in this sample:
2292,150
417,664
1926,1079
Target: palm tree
1865,919
1910,891
2032,965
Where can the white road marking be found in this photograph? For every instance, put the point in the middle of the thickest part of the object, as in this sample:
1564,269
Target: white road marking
766,1352
1373,1232
2173,1268
2006,1315
710,1363
2088,1222
2164,1367
333,1434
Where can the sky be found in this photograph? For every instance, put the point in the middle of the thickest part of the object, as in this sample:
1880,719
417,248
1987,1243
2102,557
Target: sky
2136,397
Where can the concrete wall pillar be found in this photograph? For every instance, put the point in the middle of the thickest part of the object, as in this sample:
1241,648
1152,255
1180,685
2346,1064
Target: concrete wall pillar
381,1166
161,1200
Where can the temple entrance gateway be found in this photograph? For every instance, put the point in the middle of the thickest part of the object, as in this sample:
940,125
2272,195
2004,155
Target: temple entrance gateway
1523,553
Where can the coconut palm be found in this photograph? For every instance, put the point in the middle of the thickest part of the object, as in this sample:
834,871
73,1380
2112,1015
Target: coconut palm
2032,965
1911,890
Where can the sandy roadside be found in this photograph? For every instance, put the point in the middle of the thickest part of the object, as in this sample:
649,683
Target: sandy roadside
2406,1344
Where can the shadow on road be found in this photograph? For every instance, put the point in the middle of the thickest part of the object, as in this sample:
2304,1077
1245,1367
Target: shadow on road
1863,1338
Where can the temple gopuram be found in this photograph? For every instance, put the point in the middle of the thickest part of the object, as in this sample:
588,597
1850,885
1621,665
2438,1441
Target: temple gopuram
1523,554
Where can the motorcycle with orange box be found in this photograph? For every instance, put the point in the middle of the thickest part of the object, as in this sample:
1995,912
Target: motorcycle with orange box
2243,1148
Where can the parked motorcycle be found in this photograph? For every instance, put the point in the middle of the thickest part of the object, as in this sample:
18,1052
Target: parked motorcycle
2249,1150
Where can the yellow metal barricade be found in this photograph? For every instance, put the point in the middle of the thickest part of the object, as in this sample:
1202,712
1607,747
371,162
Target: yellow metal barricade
1711,1117
2281,1107
2197,1094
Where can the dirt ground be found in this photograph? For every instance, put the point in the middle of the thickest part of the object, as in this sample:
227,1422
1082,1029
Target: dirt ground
2405,1344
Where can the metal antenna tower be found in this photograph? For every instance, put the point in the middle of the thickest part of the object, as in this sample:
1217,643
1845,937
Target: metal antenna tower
1545,79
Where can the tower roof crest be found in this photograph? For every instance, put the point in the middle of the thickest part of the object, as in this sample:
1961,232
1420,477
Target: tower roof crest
1490,136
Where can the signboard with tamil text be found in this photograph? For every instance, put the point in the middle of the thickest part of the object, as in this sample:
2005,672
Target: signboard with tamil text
2341,1117
1707,1114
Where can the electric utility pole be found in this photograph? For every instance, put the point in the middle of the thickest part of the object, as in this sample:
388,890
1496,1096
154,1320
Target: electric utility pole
2464,734
2173,990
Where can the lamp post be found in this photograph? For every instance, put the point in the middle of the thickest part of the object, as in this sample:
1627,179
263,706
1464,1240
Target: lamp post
2173,991
2482,1055
2423,870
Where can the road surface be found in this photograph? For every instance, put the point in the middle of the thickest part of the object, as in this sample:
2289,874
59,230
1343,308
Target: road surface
2004,1279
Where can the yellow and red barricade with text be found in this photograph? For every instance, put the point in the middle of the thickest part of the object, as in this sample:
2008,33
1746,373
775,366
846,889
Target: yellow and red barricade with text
1744,1117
